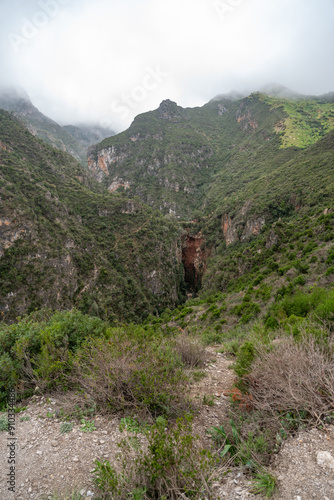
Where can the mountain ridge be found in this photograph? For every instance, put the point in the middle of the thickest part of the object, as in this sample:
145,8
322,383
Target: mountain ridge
72,139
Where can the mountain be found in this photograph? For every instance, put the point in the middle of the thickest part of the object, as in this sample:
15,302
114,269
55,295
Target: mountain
64,242
219,179
72,139
186,160
87,135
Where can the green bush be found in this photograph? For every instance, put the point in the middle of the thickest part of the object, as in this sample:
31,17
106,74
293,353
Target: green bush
173,466
41,351
3,422
245,358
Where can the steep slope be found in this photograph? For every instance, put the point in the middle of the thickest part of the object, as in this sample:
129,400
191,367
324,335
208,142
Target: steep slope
87,135
185,160
63,244
73,140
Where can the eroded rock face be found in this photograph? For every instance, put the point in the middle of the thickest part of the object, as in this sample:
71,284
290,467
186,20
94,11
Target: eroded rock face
169,110
229,230
230,227
117,183
194,256
253,228
9,233
105,158
245,118
272,238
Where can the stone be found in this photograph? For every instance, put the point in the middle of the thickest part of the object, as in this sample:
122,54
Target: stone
75,459
54,443
325,459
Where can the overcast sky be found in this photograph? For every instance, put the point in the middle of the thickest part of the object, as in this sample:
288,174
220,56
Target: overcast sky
109,60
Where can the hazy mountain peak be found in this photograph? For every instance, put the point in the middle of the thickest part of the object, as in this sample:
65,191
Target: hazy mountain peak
278,90
169,110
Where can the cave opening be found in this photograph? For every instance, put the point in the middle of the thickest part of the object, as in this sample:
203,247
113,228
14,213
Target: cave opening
192,259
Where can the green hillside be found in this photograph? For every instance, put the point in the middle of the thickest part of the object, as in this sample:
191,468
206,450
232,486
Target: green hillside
186,160
217,230
66,243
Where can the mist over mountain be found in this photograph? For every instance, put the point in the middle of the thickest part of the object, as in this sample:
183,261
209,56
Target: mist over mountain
72,139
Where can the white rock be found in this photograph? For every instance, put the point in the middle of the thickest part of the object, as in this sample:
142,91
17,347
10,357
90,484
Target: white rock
325,459
82,492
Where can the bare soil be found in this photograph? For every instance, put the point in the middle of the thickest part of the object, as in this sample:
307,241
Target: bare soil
48,461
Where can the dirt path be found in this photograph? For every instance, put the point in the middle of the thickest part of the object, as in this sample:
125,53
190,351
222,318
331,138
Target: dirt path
48,461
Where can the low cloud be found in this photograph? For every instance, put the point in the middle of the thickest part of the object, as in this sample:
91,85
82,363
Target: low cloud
109,61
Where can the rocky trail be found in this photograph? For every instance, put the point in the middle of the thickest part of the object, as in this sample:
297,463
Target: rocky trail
48,461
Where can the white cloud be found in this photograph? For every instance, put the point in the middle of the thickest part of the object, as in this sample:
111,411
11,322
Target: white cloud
93,60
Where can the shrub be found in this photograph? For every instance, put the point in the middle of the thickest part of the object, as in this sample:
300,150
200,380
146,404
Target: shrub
245,357
271,323
264,483
66,427
294,377
38,349
3,422
173,466
124,373
191,352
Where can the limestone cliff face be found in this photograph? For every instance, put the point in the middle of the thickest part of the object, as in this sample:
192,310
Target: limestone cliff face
10,232
155,279
99,164
229,230
252,228
243,227
245,119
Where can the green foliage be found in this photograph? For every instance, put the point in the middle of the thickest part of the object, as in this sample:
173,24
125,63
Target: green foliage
47,346
234,445
208,400
264,484
106,478
318,301
25,418
66,427
130,424
245,357
87,426
3,422
172,466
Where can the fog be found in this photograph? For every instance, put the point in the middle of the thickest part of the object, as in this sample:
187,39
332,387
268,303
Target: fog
107,61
